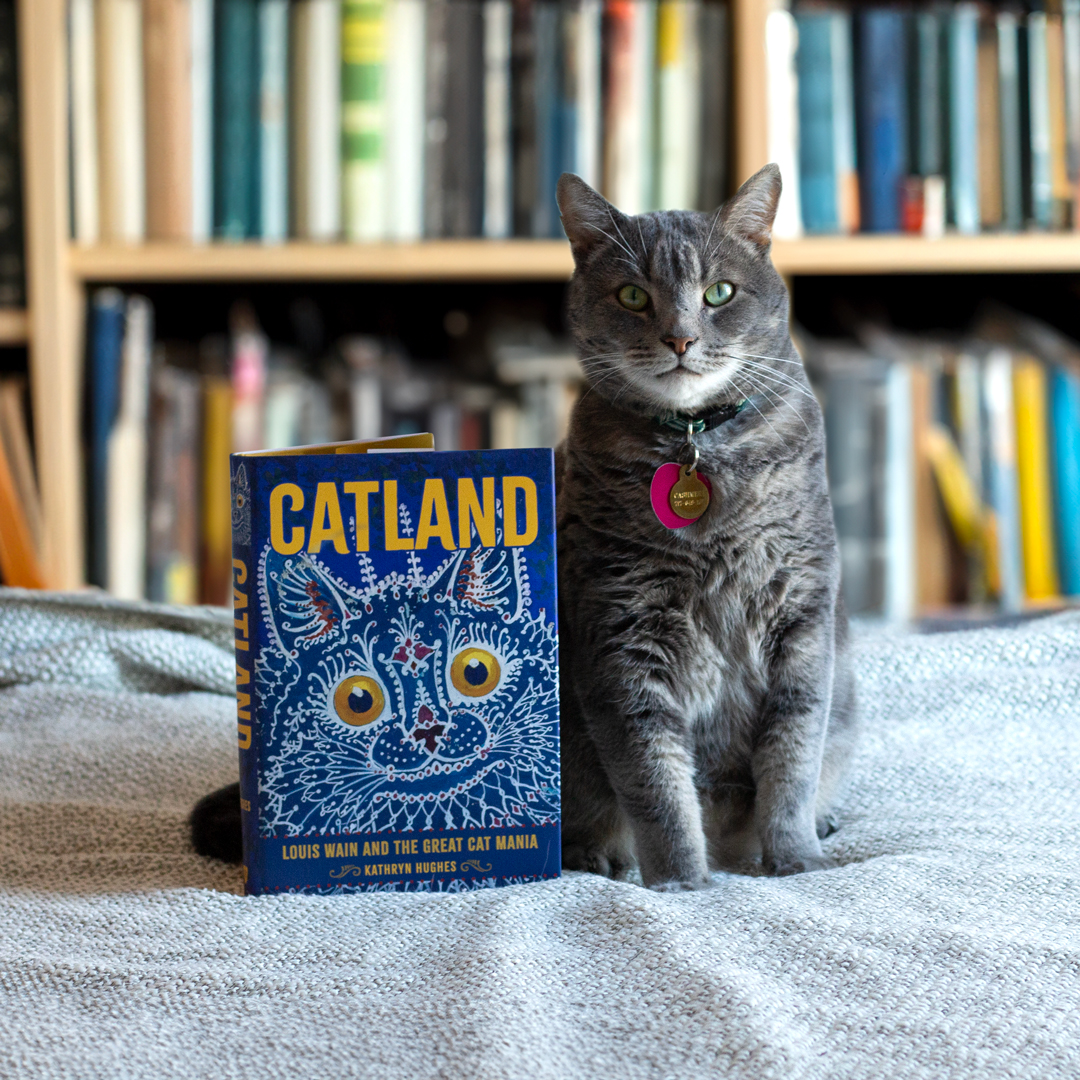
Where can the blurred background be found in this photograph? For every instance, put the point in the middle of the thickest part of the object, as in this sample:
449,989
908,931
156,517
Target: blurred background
238,224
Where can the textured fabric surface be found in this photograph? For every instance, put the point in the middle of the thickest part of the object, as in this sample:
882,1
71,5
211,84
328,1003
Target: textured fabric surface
946,942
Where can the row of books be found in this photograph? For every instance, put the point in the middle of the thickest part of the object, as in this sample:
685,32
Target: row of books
163,418
954,465
891,119
21,531
388,119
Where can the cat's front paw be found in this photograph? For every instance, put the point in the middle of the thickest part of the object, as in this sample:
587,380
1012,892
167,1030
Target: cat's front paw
680,886
595,861
785,865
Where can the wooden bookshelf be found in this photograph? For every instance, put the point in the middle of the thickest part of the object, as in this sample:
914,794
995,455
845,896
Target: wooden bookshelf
58,272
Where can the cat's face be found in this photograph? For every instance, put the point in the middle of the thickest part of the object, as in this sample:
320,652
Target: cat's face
425,699
675,311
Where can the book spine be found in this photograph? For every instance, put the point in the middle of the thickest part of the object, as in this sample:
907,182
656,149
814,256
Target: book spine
167,67
1012,196
497,172
567,117
15,434
1061,192
216,547
125,501
1033,475
316,119
588,156
201,168
782,106
18,559
235,119
678,92
463,196
363,118
436,126
643,62
989,170
546,28
1070,28
273,120
1038,88
1065,426
818,182
405,110
964,118
899,496
121,131
12,279
715,95
929,142
843,102
882,120
106,345
932,553
1001,425
622,109
84,136
245,639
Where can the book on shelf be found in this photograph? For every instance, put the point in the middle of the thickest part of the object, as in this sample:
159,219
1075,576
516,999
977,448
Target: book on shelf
273,120
21,530
363,118
397,667
964,134
1065,424
82,92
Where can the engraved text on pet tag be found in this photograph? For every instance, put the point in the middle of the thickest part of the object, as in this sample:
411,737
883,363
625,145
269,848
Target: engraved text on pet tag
689,497
679,495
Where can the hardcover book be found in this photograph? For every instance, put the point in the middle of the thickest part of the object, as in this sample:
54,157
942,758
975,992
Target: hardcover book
397,667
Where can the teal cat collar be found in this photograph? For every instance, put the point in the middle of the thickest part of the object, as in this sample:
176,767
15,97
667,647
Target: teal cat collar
695,425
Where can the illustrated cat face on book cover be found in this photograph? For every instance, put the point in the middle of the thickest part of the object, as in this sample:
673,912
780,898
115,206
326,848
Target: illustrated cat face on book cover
422,700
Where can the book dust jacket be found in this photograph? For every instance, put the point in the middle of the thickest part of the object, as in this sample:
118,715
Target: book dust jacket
396,668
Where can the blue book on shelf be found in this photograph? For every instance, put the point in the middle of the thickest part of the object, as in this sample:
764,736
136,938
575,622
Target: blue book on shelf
236,119
928,113
881,115
818,182
397,667
106,343
1065,444
964,117
273,183
1010,99
1038,111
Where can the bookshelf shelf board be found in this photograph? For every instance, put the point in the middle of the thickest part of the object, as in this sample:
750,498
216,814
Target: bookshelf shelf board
887,254
524,260
431,260
14,327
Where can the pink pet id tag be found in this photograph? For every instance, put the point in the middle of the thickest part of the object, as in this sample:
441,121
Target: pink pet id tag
679,495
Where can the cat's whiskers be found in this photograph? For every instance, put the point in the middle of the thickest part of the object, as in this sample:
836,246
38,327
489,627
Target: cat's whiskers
753,404
644,249
716,218
781,400
779,376
778,359
604,232
625,243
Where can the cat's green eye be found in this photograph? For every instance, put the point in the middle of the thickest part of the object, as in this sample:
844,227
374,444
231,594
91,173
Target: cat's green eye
633,298
719,293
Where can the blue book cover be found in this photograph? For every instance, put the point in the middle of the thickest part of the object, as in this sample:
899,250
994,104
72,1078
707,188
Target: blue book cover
1065,445
964,118
107,320
881,116
397,668
817,158
236,119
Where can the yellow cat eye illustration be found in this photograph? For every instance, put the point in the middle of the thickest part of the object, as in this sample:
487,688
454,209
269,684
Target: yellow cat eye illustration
474,672
719,293
358,700
633,297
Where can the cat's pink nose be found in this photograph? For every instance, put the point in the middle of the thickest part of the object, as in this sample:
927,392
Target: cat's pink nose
679,345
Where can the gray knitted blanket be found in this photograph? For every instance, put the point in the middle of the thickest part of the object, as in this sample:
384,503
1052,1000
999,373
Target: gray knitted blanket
945,944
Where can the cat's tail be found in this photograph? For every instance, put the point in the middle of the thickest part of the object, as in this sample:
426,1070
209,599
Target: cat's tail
215,825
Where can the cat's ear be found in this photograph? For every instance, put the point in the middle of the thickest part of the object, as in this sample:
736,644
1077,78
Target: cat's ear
750,212
305,605
587,217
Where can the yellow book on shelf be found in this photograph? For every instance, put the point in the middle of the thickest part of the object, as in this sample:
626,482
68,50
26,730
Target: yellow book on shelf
1033,476
216,561
18,560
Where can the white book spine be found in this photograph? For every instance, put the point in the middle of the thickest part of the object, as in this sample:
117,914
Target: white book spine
588,151
318,119
126,464
497,176
1071,33
900,573
122,147
273,119
628,150
84,134
781,40
365,393
202,120
405,111
678,105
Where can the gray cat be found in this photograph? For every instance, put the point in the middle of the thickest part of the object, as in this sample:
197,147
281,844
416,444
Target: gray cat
707,694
